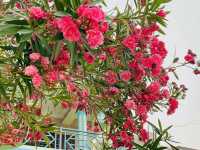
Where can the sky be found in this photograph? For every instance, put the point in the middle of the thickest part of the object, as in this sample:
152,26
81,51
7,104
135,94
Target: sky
183,33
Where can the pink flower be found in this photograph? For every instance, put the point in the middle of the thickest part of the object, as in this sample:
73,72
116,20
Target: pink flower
130,42
190,58
88,58
153,63
141,110
23,107
64,104
93,25
69,29
81,10
139,71
144,135
130,105
96,128
158,47
112,50
125,75
34,57
165,93
113,90
95,38
130,124
63,58
62,76
35,96
30,70
37,136
102,57
18,5
111,77
37,80
71,87
47,121
125,138
84,93
38,111
164,80
173,105
37,13
196,72
44,62
52,76
52,24
161,13
104,27
115,141
154,87
17,131
94,13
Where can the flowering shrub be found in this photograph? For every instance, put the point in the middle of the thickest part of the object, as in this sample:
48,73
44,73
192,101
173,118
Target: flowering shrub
74,54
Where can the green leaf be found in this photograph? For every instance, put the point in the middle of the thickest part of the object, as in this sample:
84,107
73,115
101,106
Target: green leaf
41,45
11,3
73,53
57,50
17,22
157,142
139,147
59,5
8,18
46,4
25,31
155,128
160,125
60,13
8,48
162,148
157,3
21,87
176,59
161,31
3,92
94,2
28,84
175,74
8,29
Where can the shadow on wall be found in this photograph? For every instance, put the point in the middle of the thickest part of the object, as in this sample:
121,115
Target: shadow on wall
185,148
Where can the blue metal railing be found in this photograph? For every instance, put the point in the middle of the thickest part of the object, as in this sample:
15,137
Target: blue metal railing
70,139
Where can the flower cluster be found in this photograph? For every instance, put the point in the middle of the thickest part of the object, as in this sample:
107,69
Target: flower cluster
12,136
69,29
95,18
81,58
37,13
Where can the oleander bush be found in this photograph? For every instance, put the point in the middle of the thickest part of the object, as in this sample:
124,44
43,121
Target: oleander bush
73,53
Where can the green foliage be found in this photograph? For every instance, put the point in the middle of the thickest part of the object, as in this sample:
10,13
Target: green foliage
161,135
25,36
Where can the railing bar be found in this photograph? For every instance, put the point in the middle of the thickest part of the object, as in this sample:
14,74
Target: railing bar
90,132
60,146
65,144
55,141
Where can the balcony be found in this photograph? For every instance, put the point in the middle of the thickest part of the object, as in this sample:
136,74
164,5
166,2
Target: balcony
68,138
